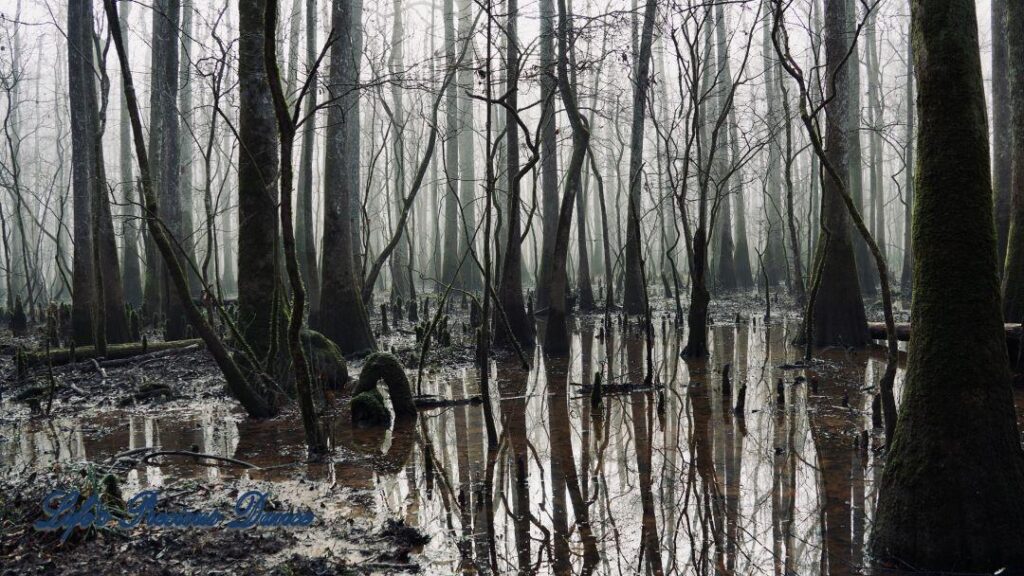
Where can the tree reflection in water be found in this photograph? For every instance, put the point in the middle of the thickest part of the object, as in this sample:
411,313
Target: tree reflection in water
671,480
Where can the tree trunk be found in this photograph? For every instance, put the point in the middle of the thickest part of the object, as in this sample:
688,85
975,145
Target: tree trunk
164,134
548,152
186,145
854,155
775,248
351,123
80,79
401,278
305,227
557,339
132,277
741,255
906,279
467,166
634,298
950,496
839,318
89,186
451,252
1002,135
343,317
510,287
1013,274
258,163
875,133
584,290
700,298
725,269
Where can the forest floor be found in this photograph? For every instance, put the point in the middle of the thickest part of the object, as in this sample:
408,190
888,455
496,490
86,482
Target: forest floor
80,436
178,401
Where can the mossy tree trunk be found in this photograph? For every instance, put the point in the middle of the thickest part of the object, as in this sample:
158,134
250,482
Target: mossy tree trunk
950,492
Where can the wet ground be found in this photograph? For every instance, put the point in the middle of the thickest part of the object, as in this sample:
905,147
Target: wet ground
771,471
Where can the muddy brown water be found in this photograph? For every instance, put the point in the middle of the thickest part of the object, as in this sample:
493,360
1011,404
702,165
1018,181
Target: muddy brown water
653,481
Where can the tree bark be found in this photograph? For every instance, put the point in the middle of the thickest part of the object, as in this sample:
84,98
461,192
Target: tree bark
854,154
906,278
305,227
1013,274
634,298
343,316
839,318
510,285
259,278
950,492
132,277
548,151
557,339
451,159
1002,135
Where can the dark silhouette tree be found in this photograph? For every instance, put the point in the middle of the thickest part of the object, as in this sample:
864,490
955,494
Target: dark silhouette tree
950,493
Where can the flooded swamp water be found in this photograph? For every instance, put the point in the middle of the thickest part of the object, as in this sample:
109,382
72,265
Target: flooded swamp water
670,479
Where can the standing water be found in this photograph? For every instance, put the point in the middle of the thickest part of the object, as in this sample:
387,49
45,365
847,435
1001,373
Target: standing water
748,462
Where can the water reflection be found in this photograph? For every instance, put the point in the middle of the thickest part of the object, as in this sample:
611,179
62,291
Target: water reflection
692,477
673,480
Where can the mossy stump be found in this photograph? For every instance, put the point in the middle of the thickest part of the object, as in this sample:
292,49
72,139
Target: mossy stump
326,363
368,404
369,411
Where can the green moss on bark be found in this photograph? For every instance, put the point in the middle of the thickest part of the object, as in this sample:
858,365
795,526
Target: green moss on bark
368,410
383,366
325,360
950,497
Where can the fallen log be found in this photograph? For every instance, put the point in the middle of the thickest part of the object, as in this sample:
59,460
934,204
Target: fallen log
877,331
114,351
